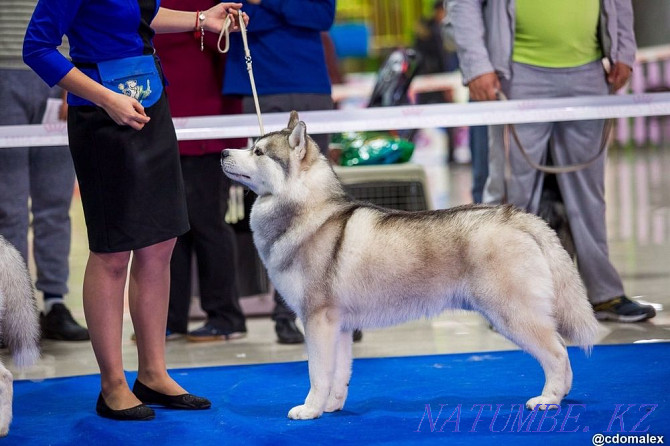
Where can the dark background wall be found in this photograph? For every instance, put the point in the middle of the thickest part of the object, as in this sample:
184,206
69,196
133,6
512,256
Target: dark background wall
652,22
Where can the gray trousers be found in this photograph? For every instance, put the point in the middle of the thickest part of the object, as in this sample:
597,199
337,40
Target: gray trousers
37,180
572,142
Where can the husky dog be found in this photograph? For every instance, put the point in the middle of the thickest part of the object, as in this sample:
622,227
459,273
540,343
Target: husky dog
18,321
343,265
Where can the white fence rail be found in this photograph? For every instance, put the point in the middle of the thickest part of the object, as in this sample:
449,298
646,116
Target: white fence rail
386,118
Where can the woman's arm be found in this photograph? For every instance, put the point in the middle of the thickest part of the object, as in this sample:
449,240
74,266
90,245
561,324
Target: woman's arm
173,21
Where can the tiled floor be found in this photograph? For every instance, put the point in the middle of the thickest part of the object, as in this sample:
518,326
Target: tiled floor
638,189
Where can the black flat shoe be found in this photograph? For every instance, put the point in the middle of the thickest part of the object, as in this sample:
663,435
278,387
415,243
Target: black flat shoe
184,401
137,413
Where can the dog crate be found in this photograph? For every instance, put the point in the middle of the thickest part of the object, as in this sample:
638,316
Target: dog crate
395,186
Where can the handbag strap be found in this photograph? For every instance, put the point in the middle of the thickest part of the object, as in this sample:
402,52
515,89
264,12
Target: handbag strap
247,58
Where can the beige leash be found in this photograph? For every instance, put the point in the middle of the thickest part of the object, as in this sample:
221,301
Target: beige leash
247,57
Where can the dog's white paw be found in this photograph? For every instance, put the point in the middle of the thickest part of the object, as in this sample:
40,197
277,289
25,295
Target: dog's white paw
543,403
304,412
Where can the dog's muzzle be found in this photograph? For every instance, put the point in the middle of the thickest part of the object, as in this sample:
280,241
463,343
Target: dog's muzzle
228,166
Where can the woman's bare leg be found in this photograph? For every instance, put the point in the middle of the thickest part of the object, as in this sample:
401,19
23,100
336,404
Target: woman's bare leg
104,285
149,292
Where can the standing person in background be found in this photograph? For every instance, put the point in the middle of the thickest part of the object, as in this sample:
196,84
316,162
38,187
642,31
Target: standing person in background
195,78
438,55
126,158
540,48
37,180
290,73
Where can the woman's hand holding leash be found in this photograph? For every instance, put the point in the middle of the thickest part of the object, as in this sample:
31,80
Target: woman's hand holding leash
214,17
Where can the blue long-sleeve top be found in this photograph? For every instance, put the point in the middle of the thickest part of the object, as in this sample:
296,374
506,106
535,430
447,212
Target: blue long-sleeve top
286,49
97,30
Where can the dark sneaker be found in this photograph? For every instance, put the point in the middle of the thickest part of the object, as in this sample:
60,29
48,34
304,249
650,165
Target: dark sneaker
59,324
622,309
208,333
288,332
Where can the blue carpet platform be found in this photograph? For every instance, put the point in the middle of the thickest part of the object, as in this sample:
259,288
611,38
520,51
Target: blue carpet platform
459,399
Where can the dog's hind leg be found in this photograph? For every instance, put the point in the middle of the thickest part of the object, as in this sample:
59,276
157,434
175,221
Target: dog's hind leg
553,358
536,334
321,331
568,375
6,396
340,387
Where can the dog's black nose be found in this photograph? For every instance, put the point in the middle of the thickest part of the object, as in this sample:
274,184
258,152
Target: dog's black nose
224,153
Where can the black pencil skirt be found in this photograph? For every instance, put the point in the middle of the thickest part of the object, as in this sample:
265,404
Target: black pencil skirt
130,181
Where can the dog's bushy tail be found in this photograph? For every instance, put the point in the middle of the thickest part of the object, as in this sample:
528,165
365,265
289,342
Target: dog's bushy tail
573,312
20,324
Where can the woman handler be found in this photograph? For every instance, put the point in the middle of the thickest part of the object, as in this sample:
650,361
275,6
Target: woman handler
126,158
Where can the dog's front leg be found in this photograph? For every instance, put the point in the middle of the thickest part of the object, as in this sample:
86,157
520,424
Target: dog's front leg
340,387
321,331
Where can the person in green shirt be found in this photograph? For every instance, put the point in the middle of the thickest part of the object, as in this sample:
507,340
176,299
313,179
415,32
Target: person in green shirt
531,49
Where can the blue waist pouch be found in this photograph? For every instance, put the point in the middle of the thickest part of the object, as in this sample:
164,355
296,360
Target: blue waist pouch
137,77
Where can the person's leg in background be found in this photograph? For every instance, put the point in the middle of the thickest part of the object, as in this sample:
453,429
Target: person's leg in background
523,188
494,184
479,147
180,282
583,192
51,189
215,248
180,266
44,175
14,195
21,104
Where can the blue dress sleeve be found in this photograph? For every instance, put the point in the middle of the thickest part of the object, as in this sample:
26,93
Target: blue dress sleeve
50,21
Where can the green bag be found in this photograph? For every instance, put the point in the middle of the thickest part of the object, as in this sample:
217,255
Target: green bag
369,148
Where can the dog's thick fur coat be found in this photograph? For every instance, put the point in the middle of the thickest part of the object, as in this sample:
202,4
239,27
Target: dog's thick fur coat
18,322
343,265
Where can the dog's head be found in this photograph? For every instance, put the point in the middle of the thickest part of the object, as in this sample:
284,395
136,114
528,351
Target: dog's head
268,167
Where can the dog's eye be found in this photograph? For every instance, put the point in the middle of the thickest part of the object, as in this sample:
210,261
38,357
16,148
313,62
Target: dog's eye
258,152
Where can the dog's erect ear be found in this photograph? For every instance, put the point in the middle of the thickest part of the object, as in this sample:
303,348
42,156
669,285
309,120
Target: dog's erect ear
293,120
298,138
